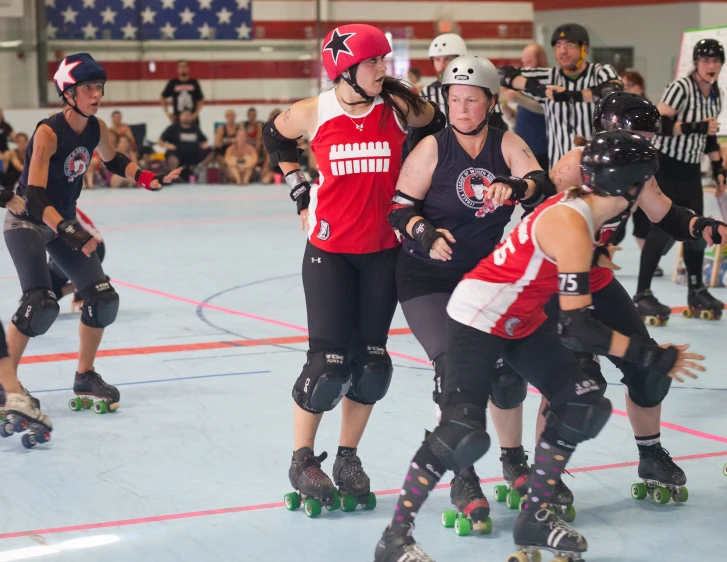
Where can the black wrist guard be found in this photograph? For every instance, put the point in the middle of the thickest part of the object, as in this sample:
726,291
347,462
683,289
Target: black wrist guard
651,357
518,185
718,170
299,189
700,127
73,234
424,232
599,251
703,223
568,96
5,196
507,75
534,88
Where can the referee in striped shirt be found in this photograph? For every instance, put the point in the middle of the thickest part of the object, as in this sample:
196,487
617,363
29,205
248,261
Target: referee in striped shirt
689,109
569,92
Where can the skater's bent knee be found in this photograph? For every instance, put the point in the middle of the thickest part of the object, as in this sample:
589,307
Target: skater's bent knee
461,438
37,311
324,381
509,390
371,372
100,305
579,412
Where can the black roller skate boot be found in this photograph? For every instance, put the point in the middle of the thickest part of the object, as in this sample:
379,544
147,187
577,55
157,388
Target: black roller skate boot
701,304
354,486
541,529
313,486
515,470
652,312
22,414
399,548
92,391
562,502
473,510
662,478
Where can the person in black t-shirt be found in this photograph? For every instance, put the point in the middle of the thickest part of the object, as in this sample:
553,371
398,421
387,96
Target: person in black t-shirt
186,145
184,92
6,132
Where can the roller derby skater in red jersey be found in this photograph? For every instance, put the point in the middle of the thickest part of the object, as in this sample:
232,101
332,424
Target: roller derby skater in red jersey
497,310
57,157
613,306
356,129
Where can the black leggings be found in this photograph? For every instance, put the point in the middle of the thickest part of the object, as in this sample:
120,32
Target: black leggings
350,298
58,278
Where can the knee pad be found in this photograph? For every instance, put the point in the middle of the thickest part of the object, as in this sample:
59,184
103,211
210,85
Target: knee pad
438,378
37,311
461,438
323,383
100,305
645,389
579,412
509,389
591,368
370,375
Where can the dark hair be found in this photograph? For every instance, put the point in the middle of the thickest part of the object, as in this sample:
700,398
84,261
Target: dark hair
416,72
580,141
115,112
635,78
393,87
22,135
180,61
715,86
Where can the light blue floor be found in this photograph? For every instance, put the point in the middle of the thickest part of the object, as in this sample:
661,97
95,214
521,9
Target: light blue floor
210,429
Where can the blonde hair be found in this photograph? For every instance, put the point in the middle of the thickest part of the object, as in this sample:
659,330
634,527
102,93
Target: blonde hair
580,141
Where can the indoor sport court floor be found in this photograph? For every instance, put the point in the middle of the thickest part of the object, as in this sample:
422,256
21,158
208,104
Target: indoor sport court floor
207,344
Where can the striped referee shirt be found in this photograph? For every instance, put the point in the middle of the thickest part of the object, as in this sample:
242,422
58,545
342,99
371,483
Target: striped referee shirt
692,106
565,120
433,92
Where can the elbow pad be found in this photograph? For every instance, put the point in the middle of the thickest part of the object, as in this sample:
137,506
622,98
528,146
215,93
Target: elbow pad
544,188
280,148
37,201
117,165
712,146
581,332
676,223
507,75
438,122
403,208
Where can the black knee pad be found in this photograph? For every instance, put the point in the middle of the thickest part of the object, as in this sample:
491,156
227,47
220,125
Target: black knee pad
645,389
371,371
579,411
439,363
57,282
509,389
100,305
461,438
37,311
591,369
323,383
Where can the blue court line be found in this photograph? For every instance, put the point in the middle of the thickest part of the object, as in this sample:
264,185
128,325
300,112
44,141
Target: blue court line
161,380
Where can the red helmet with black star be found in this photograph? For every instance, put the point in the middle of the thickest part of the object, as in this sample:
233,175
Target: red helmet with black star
351,44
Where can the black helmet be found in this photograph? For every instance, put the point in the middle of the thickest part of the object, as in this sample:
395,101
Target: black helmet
708,48
622,110
570,32
615,161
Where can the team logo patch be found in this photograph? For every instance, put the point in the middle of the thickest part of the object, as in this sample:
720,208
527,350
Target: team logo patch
77,163
510,325
472,186
325,231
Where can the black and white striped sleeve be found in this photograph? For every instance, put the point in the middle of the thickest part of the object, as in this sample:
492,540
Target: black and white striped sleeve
542,75
607,73
675,96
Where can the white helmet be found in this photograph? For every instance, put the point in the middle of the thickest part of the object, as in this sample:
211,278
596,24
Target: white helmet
447,45
472,71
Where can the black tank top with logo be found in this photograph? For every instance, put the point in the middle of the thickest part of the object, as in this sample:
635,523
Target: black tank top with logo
67,166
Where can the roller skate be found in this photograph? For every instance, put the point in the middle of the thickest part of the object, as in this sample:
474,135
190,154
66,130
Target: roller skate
662,478
562,502
22,414
33,399
515,470
312,486
399,548
473,511
354,486
540,529
652,312
92,391
701,304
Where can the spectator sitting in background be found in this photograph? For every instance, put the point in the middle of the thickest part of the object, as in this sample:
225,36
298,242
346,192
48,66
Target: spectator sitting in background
186,146
96,171
268,171
254,130
225,136
122,129
241,159
13,164
123,146
415,79
6,133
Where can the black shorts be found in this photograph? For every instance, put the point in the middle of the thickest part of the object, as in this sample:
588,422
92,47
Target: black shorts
681,182
416,277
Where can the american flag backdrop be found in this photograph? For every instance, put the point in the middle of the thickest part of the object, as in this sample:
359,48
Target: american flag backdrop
149,20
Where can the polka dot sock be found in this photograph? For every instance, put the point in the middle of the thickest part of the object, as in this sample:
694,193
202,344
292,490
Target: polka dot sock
550,461
424,473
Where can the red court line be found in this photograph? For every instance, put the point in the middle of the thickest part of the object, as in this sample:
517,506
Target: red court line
265,506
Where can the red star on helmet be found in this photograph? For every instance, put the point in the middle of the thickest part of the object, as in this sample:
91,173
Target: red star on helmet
63,75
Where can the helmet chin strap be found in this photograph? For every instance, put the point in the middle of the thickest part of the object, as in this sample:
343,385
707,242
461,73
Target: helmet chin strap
74,107
351,81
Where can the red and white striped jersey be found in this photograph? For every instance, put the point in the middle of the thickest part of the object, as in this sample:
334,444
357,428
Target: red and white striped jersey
359,159
505,294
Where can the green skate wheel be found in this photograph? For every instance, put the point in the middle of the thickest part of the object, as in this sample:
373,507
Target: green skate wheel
462,527
724,470
513,500
75,404
661,495
500,493
348,502
681,496
449,516
312,507
371,503
569,515
639,491
483,527
336,503
100,407
292,501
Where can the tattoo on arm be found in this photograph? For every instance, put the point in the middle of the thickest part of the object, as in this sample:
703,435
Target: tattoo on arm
286,115
528,152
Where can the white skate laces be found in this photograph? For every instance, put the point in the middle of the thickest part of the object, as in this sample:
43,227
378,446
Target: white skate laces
22,404
414,553
558,529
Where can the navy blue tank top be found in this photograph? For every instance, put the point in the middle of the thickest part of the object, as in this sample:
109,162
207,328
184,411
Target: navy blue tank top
456,200
67,166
